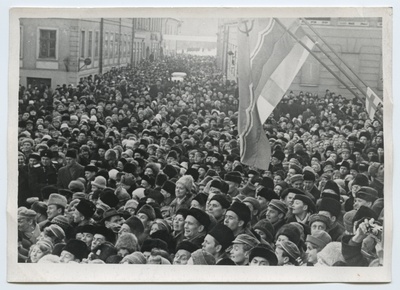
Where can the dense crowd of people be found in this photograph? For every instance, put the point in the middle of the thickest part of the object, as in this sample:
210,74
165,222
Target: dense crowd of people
130,167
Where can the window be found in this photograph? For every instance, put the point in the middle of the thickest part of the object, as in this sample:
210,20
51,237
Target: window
90,43
129,46
96,44
21,37
111,45
106,45
82,43
47,43
125,47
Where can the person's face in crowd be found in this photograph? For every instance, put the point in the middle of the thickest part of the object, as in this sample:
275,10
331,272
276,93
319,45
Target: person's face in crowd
87,238
181,257
298,207
343,170
21,160
35,254
180,190
97,241
210,245
289,199
202,172
363,140
215,209
53,211
26,147
345,155
311,253
89,175
318,226
278,189
291,172
144,218
25,116
192,227
101,152
358,202
154,228
196,204
178,223
259,261
77,216
66,257
232,221
70,161
297,184
308,184
24,224
114,220
238,254
277,179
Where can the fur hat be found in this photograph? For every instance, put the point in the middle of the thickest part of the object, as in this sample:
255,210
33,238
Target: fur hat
373,169
86,208
170,171
135,224
169,187
187,181
71,153
307,201
187,246
267,228
267,193
202,257
127,241
223,235
266,252
222,200
109,198
57,199
134,258
147,210
367,193
76,186
77,248
360,180
100,182
233,176
330,205
290,231
241,210
201,216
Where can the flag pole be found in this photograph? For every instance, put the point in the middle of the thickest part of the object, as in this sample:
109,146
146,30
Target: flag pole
322,63
334,61
331,48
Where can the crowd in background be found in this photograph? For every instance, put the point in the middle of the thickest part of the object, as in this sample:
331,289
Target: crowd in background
132,167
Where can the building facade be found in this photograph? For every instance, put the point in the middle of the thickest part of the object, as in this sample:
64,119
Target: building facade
358,41
62,51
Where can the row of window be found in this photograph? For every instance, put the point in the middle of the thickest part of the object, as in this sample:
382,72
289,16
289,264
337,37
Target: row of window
89,45
114,44
152,24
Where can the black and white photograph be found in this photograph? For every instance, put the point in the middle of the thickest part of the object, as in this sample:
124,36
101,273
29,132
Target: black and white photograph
175,138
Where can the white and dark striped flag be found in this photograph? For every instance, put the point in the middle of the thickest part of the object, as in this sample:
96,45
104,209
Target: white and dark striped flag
372,102
268,61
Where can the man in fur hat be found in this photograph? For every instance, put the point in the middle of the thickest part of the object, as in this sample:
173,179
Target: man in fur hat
72,171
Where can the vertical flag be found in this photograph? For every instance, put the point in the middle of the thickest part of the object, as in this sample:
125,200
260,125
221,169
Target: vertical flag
269,60
372,102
